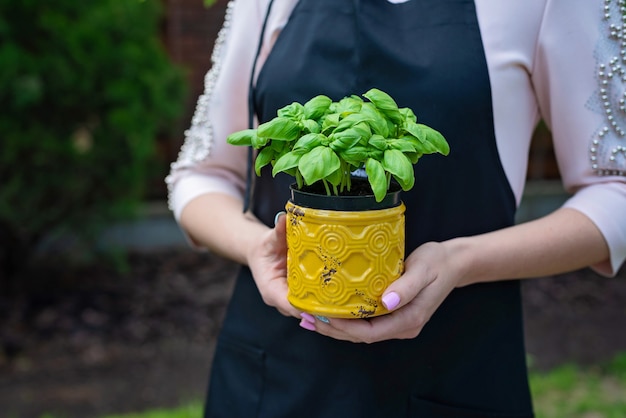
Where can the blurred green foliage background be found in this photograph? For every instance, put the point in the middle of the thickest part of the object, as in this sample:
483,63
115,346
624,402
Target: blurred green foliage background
86,88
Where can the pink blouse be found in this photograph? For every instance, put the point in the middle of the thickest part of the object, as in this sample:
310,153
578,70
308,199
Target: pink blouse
563,61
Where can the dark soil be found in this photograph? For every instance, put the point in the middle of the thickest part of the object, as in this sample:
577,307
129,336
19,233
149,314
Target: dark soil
85,342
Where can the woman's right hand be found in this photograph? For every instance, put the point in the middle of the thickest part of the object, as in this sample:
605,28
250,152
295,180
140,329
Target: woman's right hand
267,260
217,222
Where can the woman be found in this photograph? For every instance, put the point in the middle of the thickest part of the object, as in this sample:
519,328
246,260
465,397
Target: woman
483,73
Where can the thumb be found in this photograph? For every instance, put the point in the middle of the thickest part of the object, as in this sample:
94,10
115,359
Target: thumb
401,292
391,300
280,228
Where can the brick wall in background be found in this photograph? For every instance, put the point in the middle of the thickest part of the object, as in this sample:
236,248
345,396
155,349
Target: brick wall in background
189,30
541,161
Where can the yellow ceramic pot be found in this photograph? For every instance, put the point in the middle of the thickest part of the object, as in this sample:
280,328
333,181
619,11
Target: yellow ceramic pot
340,261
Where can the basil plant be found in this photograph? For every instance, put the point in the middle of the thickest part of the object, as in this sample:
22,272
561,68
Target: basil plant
325,141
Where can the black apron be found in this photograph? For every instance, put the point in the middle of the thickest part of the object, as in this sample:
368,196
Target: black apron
469,360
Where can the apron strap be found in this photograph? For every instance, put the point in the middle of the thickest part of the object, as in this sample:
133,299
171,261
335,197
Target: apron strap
251,111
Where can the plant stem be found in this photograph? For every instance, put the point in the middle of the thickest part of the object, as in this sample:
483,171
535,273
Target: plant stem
326,187
299,180
342,183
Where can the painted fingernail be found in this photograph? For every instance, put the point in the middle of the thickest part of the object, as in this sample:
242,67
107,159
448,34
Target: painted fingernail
307,325
308,317
391,300
278,216
323,319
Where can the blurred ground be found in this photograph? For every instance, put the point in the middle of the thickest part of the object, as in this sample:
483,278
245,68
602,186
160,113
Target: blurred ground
578,317
99,342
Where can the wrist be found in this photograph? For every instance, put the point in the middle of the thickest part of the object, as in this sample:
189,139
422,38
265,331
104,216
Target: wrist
463,260
254,238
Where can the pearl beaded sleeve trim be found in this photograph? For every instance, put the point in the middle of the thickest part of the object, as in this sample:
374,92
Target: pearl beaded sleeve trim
199,137
608,147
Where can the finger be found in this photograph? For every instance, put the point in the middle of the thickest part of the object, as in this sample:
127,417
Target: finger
280,230
288,310
406,288
401,292
276,295
402,324
352,330
278,216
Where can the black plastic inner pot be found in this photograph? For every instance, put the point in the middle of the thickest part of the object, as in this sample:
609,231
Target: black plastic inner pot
315,197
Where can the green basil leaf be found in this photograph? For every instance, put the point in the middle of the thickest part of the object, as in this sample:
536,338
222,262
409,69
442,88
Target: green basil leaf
432,140
408,115
417,146
259,142
280,129
375,153
351,120
415,130
394,129
311,126
364,130
376,120
279,147
401,144
425,147
378,142
356,155
244,137
307,142
319,163
385,104
265,156
400,167
294,111
330,122
348,105
316,107
436,139
344,140
413,156
335,177
286,162
377,178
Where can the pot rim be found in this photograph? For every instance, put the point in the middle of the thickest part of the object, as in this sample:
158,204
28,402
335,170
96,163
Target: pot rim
345,203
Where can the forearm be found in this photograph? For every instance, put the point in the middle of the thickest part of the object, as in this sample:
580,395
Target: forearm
563,241
217,222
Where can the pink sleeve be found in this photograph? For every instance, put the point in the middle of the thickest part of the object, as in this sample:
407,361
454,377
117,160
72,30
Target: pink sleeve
584,109
206,163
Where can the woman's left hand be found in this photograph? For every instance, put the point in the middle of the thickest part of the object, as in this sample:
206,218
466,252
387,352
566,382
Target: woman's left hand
430,275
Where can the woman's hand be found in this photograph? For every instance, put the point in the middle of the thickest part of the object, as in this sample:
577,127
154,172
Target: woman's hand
564,240
268,263
217,222
430,275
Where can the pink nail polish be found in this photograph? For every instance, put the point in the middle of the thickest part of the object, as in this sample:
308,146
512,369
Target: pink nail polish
307,317
391,300
307,325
